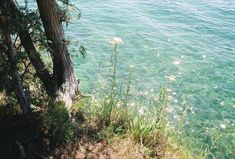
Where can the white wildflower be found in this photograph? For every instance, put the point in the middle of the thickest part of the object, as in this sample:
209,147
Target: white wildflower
227,121
132,66
117,40
176,117
93,98
170,98
169,90
222,126
171,78
141,93
170,110
119,104
141,111
146,93
132,104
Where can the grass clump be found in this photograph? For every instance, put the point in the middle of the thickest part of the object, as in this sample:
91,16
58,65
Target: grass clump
121,119
120,114
144,126
60,127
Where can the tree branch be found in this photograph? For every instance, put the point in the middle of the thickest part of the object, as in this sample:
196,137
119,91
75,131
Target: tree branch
18,84
30,49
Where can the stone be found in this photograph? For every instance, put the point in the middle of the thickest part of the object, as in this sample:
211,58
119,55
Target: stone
50,157
99,147
56,152
79,155
90,147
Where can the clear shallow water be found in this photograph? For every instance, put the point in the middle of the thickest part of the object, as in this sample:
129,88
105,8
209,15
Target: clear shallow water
192,41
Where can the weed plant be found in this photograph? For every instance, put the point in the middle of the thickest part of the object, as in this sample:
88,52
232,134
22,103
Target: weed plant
122,112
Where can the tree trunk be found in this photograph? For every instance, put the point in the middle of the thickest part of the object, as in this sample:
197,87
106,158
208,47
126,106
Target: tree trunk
29,47
18,85
63,72
37,62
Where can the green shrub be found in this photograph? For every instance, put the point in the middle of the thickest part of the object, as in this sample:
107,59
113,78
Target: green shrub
60,127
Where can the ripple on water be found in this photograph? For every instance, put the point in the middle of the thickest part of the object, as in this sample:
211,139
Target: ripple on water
189,45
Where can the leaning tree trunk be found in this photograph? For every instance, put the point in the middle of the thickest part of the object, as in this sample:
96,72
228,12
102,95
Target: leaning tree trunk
63,72
11,53
16,79
27,43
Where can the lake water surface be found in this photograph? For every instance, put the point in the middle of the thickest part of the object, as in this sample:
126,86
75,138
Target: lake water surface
185,45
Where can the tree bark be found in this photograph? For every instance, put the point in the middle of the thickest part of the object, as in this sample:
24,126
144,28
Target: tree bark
29,47
37,62
63,83
18,85
63,72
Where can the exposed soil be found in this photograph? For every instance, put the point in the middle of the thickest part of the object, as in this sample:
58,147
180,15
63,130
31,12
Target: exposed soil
87,149
25,137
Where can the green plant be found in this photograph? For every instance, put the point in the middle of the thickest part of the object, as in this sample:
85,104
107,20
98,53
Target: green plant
121,113
60,127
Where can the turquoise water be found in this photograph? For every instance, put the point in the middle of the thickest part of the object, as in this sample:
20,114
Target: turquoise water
185,45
